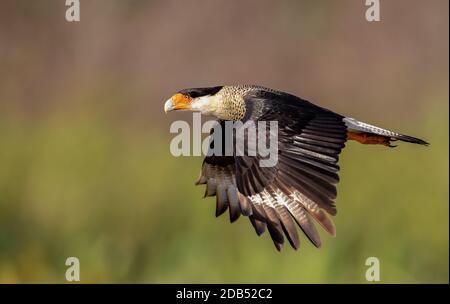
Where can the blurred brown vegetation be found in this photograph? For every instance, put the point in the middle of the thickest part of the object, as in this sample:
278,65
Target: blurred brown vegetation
86,170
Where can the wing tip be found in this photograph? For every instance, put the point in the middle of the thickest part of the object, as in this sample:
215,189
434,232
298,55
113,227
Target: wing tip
234,216
278,246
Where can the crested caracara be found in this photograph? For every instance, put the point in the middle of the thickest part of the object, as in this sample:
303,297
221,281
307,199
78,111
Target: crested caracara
301,187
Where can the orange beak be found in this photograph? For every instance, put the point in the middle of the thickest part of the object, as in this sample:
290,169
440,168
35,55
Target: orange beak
178,102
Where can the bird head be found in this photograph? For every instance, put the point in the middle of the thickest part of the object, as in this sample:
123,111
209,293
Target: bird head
204,100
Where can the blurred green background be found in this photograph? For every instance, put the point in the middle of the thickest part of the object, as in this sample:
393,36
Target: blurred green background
85,168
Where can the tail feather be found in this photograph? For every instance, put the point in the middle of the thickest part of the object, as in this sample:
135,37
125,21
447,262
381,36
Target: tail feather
358,126
410,139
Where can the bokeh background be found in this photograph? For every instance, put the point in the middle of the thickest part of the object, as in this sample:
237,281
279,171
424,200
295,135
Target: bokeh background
85,168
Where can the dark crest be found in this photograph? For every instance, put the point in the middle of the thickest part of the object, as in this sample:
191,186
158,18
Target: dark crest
199,92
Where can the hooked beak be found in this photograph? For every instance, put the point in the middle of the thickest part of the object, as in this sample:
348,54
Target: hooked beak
168,106
178,102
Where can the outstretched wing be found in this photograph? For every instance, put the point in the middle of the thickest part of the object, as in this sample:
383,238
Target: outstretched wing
300,187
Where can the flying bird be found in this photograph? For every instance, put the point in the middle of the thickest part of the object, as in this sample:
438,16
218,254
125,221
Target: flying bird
301,187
